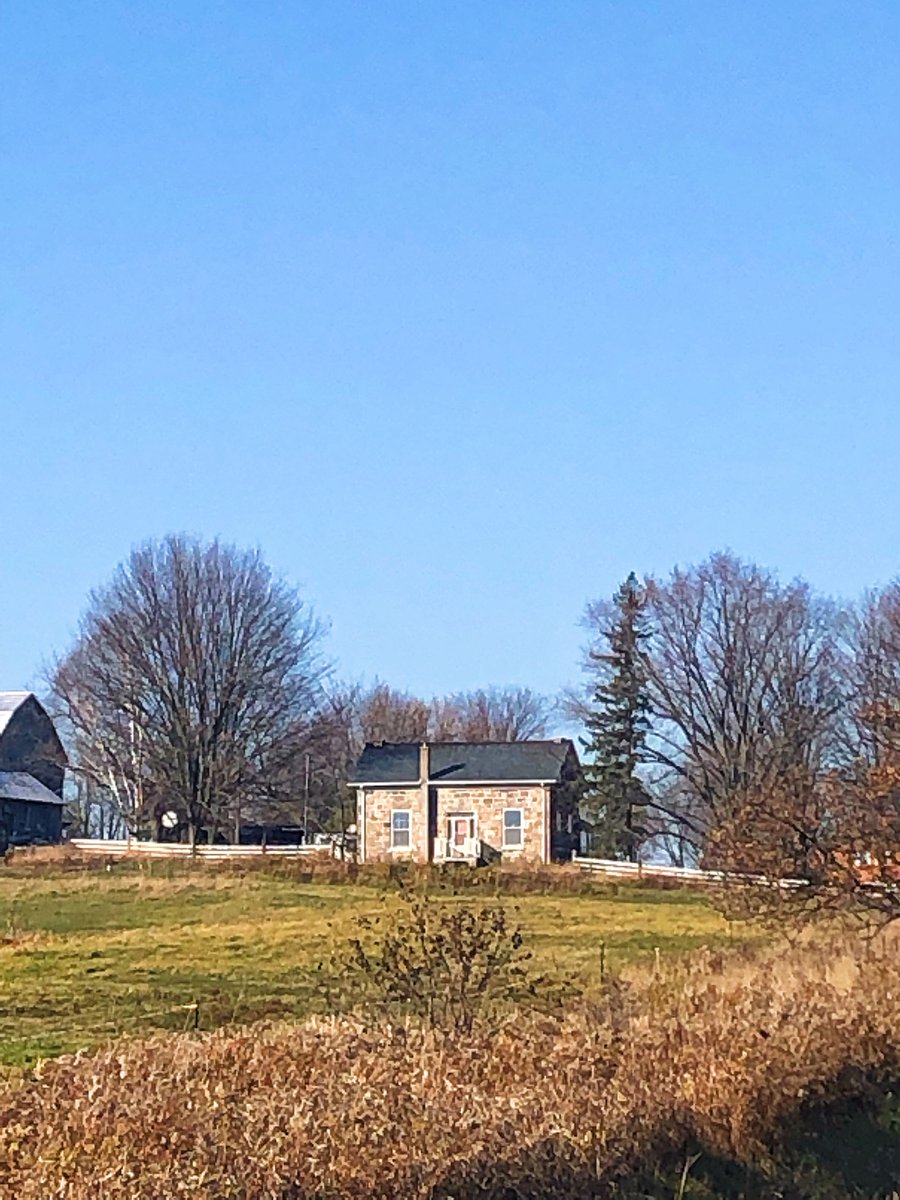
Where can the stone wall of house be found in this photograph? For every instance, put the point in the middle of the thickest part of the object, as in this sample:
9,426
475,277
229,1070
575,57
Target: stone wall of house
488,804
377,805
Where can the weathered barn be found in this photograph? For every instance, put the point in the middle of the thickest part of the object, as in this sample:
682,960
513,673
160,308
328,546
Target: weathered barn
32,772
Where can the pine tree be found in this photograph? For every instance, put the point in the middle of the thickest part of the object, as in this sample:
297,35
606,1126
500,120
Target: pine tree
615,798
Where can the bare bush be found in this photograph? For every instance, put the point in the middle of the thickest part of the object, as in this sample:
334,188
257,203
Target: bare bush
446,964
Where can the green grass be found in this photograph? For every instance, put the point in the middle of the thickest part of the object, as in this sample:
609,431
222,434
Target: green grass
88,955
846,1149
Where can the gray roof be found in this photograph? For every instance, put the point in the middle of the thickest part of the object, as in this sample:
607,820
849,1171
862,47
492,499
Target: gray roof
465,762
17,785
10,702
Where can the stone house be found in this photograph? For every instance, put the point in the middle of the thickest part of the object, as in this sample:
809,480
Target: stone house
32,771
469,802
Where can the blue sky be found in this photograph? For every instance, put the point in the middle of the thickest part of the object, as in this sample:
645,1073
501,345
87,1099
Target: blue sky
459,311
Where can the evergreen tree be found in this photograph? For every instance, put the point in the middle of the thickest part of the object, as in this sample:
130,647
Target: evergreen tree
615,798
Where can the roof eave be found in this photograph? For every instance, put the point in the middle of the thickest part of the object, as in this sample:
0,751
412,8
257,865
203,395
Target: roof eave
442,782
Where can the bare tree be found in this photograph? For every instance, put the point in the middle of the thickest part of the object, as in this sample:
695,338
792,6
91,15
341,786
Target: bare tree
840,836
333,744
193,679
837,843
873,678
743,684
851,840
91,810
387,715
744,692
490,715
105,752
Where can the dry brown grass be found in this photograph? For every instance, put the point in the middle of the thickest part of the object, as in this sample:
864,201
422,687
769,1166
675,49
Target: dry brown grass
715,1054
502,878
35,857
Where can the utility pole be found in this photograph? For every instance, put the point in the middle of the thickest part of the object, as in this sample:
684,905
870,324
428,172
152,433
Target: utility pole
306,800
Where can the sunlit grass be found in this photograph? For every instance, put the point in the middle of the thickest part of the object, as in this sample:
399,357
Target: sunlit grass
88,955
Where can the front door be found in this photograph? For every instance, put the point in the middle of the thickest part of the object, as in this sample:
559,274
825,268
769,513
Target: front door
460,834
460,831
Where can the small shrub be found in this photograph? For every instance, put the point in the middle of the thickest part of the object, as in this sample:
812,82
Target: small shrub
448,964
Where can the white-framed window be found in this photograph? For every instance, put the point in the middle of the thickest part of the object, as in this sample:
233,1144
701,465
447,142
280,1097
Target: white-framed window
512,827
401,822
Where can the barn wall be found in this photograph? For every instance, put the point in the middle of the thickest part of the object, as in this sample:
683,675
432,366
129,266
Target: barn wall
30,744
23,823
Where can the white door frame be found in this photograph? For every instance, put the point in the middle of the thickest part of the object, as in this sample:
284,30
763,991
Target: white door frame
469,815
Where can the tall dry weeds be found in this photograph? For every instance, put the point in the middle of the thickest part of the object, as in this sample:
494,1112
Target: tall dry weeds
714,1055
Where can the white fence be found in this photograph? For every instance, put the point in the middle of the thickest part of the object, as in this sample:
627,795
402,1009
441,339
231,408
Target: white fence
608,867
131,846
614,869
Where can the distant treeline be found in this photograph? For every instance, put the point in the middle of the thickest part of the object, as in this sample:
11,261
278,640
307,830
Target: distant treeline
728,716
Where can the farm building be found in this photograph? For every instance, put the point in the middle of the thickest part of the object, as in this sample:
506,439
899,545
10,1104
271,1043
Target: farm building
32,771
468,802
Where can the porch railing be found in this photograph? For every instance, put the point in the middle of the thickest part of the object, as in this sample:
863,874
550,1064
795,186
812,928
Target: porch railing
448,850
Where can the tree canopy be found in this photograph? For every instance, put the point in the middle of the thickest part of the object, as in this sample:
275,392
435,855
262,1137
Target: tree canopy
194,681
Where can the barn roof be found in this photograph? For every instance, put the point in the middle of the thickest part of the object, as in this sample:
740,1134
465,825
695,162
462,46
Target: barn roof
10,702
17,785
465,762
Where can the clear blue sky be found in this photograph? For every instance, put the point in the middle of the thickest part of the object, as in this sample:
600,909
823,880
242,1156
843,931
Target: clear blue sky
459,311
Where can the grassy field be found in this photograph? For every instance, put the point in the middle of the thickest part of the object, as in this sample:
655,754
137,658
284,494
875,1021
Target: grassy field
770,1069
746,1075
86,955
